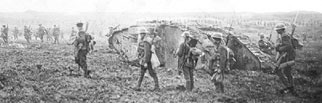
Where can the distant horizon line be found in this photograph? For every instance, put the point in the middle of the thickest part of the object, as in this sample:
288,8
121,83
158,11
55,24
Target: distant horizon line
34,11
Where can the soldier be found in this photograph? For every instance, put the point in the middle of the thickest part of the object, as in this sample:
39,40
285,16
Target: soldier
15,33
285,59
264,46
180,58
49,34
111,36
220,59
56,33
41,32
188,53
72,36
144,55
27,34
4,33
82,48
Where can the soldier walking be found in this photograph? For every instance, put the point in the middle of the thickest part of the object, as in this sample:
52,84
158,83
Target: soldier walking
144,55
82,48
4,33
286,56
56,33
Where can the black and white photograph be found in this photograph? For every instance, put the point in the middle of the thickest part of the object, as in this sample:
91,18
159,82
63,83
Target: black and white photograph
161,51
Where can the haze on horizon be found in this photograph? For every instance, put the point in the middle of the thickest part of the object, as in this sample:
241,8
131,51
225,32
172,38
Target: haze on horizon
171,6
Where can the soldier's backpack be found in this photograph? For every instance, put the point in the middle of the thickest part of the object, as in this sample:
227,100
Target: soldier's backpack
295,43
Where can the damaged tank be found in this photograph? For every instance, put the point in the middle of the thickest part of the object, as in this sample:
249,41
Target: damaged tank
247,54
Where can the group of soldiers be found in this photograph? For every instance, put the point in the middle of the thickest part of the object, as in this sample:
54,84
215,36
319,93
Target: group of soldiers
219,59
27,33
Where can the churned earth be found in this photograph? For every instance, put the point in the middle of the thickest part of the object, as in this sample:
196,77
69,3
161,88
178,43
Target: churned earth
46,73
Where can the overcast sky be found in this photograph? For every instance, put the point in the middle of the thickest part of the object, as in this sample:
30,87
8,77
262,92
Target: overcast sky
74,6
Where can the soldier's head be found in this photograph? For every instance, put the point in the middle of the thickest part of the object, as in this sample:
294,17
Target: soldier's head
72,28
40,25
217,38
280,28
4,26
186,35
142,33
54,25
79,26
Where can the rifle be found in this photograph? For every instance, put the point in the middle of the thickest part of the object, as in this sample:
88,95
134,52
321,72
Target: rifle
116,27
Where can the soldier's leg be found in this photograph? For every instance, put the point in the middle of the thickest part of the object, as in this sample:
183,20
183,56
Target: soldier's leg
83,64
191,78
280,74
142,72
186,74
154,76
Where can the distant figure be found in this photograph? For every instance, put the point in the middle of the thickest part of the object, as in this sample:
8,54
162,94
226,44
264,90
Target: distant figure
49,34
15,33
27,34
4,33
41,32
264,46
110,36
56,33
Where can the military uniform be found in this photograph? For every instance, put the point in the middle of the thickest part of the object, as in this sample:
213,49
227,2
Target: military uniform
27,34
188,56
4,34
56,33
144,55
81,49
220,59
15,33
286,53
41,32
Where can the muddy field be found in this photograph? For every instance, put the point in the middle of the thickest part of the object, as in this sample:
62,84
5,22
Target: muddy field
46,73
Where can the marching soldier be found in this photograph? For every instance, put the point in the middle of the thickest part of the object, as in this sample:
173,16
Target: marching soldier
15,33
286,56
4,33
82,48
144,55
41,32
56,33
188,55
27,33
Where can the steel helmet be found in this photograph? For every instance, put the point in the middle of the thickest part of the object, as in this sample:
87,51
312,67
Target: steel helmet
216,35
280,26
186,34
142,30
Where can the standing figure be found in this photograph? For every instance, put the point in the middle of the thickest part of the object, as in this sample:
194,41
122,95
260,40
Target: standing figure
82,48
41,32
4,33
144,55
221,58
27,34
15,33
188,53
56,33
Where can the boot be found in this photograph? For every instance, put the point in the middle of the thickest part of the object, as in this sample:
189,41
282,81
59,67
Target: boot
86,74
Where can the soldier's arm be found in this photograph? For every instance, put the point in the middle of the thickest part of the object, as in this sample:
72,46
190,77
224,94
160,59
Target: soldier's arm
285,45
